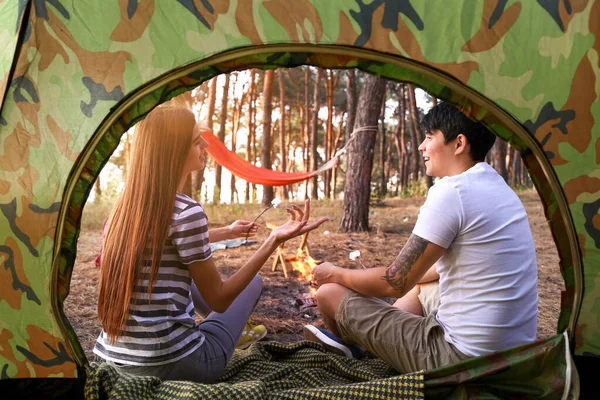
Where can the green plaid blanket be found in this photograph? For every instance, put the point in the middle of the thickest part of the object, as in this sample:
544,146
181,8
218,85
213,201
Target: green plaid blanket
268,370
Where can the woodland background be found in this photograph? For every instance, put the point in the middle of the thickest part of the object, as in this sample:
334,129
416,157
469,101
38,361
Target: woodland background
295,120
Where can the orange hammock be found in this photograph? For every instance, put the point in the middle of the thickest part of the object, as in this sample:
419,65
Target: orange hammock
245,170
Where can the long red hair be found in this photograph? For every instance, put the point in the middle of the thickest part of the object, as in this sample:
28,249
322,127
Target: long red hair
139,223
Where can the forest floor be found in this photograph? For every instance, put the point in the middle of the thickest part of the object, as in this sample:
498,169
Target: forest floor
281,309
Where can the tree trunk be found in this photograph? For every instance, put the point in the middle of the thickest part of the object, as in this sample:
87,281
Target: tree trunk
405,161
399,151
407,155
350,107
212,100
254,142
266,139
516,169
185,100
290,190
418,135
399,141
200,97
509,163
350,102
251,124
382,145
331,82
500,147
518,174
98,190
221,135
387,168
238,105
335,166
303,126
306,123
525,175
414,140
355,211
314,135
282,130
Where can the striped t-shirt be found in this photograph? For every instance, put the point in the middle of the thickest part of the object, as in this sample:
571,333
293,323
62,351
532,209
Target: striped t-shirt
163,329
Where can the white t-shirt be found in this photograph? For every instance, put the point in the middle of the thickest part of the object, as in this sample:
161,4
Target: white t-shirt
488,274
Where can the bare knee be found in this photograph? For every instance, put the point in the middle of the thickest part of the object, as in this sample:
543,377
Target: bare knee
329,296
329,290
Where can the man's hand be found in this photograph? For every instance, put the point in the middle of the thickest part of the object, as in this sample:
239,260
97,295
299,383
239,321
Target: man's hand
416,257
325,273
241,228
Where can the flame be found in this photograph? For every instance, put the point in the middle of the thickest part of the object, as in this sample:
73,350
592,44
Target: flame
303,263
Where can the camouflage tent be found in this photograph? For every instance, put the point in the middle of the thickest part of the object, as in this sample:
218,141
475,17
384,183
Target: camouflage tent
75,75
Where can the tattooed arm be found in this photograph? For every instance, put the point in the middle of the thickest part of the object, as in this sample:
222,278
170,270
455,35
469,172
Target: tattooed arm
415,259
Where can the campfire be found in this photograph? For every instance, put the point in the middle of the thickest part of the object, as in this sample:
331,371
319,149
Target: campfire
303,263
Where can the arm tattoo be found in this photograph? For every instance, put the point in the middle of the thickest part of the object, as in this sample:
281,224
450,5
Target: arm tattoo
397,273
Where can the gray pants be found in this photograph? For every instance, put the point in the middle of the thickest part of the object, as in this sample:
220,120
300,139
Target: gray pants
221,332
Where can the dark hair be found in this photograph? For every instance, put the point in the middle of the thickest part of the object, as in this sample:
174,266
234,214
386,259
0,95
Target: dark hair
452,122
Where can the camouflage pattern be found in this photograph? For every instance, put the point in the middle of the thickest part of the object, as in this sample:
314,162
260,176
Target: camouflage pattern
541,368
75,75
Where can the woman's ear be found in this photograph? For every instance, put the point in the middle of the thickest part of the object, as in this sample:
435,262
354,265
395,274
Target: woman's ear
461,144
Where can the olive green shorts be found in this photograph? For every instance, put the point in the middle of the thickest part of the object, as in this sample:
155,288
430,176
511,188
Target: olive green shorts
405,341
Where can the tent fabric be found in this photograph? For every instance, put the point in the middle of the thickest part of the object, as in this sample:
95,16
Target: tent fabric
76,75
248,171
540,370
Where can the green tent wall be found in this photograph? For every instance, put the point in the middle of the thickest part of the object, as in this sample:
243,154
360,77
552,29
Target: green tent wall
76,74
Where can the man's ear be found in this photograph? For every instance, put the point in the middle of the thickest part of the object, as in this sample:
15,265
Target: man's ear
460,144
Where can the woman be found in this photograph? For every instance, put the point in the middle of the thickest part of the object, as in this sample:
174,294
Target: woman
157,265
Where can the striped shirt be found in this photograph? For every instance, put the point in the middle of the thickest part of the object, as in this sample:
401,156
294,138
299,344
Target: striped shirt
162,329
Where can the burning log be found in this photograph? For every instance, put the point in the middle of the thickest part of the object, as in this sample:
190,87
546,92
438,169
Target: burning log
305,303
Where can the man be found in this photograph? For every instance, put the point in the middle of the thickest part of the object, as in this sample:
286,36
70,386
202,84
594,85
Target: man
473,235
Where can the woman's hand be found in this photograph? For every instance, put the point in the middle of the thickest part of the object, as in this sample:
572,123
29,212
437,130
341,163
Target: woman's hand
325,273
242,228
297,224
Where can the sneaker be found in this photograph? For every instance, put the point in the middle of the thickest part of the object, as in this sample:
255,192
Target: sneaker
251,334
332,343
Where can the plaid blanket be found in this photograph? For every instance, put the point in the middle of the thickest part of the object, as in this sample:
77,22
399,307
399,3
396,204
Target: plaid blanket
268,370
